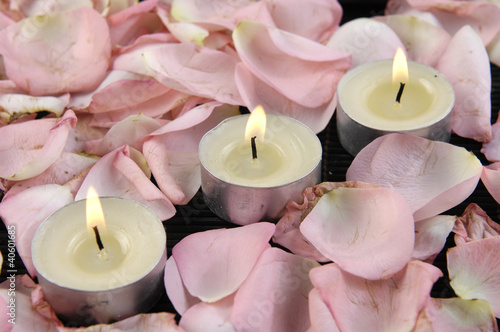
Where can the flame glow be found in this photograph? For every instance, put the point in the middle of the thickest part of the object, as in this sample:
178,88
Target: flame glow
94,214
399,68
256,125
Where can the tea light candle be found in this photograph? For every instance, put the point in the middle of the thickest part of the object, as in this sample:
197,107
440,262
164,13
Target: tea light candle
245,181
87,284
368,107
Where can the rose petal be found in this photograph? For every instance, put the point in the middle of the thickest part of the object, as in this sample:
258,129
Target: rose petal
185,32
491,179
491,149
430,236
49,59
474,224
381,305
275,291
269,52
29,148
432,176
374,242
209,316
213,264
366,40
176,291
474,270
13,106
321,317
472,85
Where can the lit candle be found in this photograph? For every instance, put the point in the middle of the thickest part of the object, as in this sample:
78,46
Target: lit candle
103,265
387,96
252,165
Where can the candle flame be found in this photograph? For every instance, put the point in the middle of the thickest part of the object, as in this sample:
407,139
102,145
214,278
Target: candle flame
256,125
399,68
94,214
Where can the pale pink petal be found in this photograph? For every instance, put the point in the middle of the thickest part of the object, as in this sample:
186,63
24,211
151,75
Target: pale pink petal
432,176
118,173
313,70
458,315
287,229
276,290
374,242
474,224
194,70
256,92
493,49
424,41
491,179
365,39
82,132
44,7
491,149
209,316
43,201
176,291
321,317
69,52
185,32
381,305
474,270
472,84
125,132
13,106
430,236
213,264
29,148
482,16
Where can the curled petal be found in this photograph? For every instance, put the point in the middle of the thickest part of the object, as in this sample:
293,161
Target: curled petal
432,176
269,52
365,40
472,85
321,317
374,242
55,57
430,236
474,224
209,316
29,148
474,270
375,305
13,106
213,264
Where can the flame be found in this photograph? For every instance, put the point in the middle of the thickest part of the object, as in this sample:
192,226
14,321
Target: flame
399,68
256,125
95,216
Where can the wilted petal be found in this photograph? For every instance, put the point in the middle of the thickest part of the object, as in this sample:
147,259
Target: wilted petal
432,176
14,106
269,52
458,315
424,41
491,149
491,179
209,316
29,148
276,290
474,224
321,317
176,291
474,270
380,305
43,201
69,52
213,264
430,236
194,70
472,84
365,39
374,242
118,173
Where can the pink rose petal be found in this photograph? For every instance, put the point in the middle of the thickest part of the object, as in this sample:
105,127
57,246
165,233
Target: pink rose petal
430,237
176,291
474,224
213,264
491,179
472,84
29,148
374,242
55,57
321,317
358,304
275,291
474,270
269,52
432,176
209,316
13,106
44,200
491,149
184,32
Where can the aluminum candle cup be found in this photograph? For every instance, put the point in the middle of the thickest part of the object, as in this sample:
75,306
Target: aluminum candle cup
81,285
367,106
244,190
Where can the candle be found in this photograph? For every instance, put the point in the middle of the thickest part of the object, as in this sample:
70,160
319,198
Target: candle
379,97
103,273
251,168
